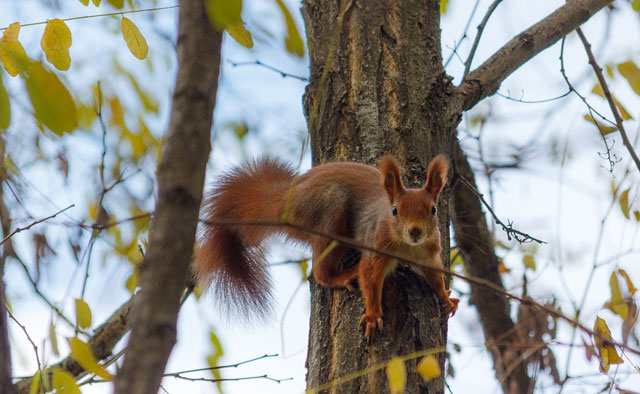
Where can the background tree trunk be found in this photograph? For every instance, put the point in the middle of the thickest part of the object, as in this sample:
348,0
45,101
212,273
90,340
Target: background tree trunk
377,86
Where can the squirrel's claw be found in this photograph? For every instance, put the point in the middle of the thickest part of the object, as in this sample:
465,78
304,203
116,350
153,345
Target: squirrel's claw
372,321
451,306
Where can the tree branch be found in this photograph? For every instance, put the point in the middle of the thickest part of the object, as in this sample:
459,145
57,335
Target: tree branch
163,272
474,241
486,79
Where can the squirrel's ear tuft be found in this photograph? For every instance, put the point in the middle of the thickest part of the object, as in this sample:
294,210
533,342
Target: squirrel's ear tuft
390,176
437,175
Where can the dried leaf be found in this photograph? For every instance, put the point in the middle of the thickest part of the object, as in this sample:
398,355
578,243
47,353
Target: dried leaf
396,375
624,203
602,338
134,39
429,368
12,54
630,321
617,304
56,42
632,289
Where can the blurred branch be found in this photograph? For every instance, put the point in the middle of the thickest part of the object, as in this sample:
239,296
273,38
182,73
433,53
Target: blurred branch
268,67
486,79
476,41
35,348
614,108
20,229
454,50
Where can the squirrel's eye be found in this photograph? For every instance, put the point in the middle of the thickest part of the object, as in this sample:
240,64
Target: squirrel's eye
434,210
394,210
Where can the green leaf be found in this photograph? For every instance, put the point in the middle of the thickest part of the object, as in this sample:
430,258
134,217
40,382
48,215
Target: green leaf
83,313
64,382
52,103
396,375
5,107
293,41
624,203
54,340
81,352
529,262
443,6
631,72
224,13
119,4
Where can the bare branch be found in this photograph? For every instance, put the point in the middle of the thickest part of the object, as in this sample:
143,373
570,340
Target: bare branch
19,229
486,79
605,88
283,74
476,41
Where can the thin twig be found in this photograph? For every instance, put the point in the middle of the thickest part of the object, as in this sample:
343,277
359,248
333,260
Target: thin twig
508,97
454,50
19,229
268,67
507,228
223,366
605,88
35,348
476,41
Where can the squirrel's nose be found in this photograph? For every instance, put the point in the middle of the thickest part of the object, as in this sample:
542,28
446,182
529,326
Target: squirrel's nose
415,232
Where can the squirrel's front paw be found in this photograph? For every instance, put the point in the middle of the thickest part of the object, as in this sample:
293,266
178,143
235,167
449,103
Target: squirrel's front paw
371,321
451,306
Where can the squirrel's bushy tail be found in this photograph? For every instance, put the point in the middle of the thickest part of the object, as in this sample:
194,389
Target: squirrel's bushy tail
231,258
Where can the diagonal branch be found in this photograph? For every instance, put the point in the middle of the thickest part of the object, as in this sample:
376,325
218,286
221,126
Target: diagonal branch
614,108
486,79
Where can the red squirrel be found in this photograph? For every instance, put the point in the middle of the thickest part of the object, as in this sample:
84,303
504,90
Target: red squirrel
348,199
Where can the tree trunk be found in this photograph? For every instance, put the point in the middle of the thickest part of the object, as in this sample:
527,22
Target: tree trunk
377,86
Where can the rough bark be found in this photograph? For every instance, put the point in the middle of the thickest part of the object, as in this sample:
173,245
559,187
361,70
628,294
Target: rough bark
377,85
180,183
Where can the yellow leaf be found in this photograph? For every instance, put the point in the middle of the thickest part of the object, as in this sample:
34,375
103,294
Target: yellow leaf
54,340
12,54
83,314
293,41
304,266
64,382
604,129
35,384
632,289
636,214
5,107
119,4
396,375
134,39
429,368
224,13
85,2
631,73
597,89
624,203
240,34
602,338
616,304
56,42
529,262
52,103
81,352
96,2
214,357
502,268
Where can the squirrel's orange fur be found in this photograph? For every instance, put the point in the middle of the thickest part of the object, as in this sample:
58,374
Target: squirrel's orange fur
348,199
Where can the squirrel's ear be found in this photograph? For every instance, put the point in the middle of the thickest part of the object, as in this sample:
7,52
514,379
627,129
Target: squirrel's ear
437,175
390,176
